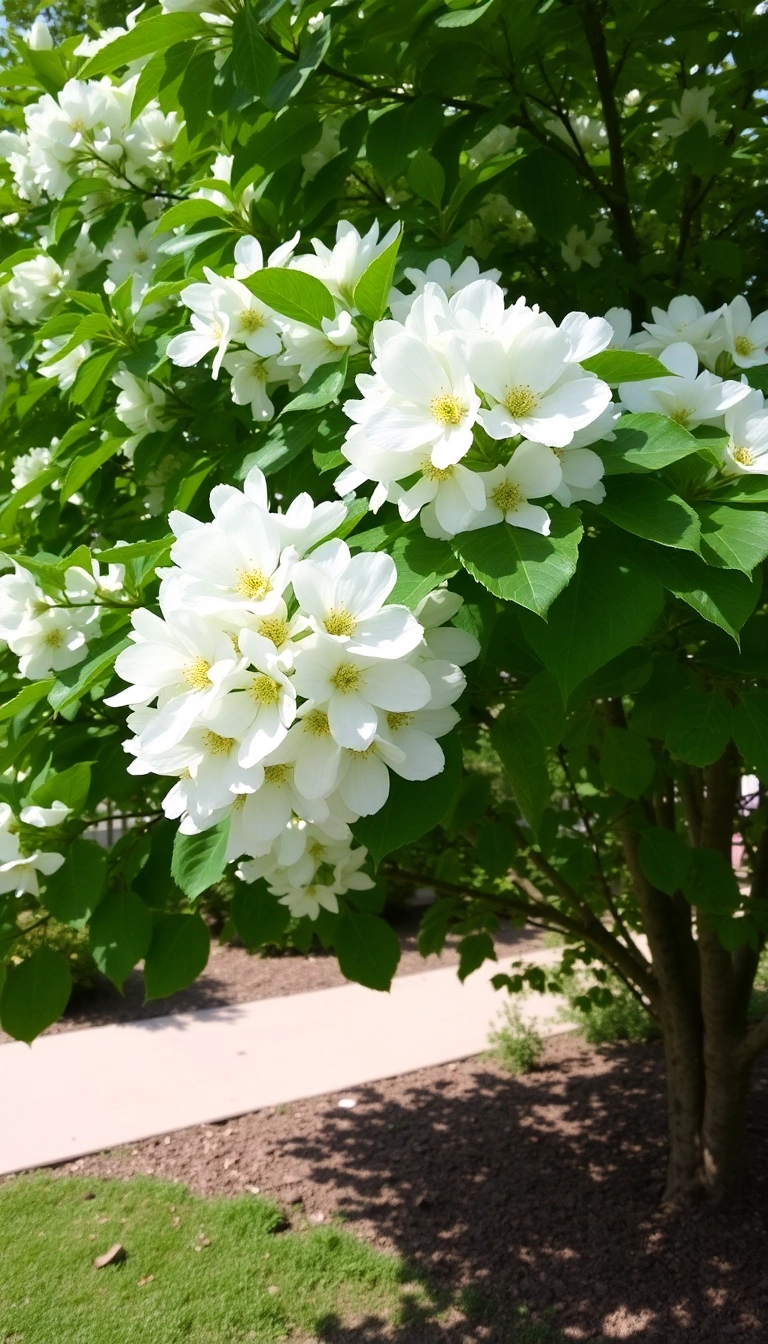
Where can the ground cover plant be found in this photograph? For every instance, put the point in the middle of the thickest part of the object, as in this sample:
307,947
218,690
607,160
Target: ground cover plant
195,1269
384,386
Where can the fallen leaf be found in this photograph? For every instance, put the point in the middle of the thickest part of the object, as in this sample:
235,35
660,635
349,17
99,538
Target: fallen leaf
148,1278
272,1288
113,1256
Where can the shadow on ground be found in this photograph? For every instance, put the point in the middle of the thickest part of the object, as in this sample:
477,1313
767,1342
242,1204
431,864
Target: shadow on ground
544,1191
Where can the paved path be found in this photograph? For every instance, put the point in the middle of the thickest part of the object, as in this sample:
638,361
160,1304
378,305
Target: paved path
84,1091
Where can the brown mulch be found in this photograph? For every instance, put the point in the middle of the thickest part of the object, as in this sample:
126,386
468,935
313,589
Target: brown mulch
540,1191
235,976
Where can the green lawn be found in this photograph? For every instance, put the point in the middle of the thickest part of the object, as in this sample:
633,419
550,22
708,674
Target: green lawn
222,1269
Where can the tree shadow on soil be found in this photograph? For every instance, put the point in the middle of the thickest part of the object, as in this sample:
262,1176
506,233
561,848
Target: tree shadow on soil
543,1192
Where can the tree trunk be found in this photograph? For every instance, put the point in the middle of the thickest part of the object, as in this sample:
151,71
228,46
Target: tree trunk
707,1102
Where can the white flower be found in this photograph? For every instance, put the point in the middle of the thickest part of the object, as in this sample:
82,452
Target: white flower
45,816
236,560
746,452
344,597
260,705
20,874
341,266
150,140
499,140
447,498
64,370
224,311
686,321
141,405
38,37
430,404
532,471
620,321
439,273
29,466
587,336
308,348
688,399
355,688
34,286
49,643
441,640
589,132
300,528
583,473
133,254
745,336
579,248
249,257
534,389
90,45
250,375
308,901
692,108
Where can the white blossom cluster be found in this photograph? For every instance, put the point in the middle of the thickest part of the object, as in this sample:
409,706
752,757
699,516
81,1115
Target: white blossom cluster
455,377
20,864
87,129
280,687
51,632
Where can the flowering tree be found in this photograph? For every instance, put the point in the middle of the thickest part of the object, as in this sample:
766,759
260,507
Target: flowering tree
332,562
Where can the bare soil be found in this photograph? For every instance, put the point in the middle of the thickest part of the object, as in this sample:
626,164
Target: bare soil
540,1191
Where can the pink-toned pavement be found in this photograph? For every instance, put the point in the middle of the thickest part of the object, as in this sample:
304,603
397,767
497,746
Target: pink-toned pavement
84,1091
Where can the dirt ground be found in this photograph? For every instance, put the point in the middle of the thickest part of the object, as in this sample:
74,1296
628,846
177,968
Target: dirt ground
541,1190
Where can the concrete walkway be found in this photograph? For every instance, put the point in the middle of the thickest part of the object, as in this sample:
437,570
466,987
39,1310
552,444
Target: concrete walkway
84,1091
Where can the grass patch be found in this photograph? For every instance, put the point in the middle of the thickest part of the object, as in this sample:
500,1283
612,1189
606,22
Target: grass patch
515,1045
221,1274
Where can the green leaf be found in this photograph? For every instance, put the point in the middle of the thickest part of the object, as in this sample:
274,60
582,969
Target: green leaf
86,464
190,212
301,297
35,994
426,177
29,695
284,442
496,847
701,151
648,508
29,491
367,949
608,606
726,598
283,140
393,136
733,538
627,762
541,702
371,295
256,63
745,490
136,550
422,563
119,933
749,722
413,808
698,726
91,373
310,57
710,883
665,859
156,33
200,860
68,786
259,918
521,566
624,366
524,757
549,193
473,951
646,442
179,951
324,386
74,891
462,18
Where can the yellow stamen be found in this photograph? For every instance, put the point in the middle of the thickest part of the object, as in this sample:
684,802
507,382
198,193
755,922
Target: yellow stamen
196,675
274,629
433,473
507,496
743,456
447,410
743,346
265,690
399,720
681,416
253,584
218,746
251,319
316,723
340,622
519,401
277,774
54,639
347,678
